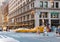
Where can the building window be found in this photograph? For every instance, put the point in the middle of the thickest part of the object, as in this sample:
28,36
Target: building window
23,9
32,16
20,0
32,0
54,15
23,17
40,22
45,22
40,15
27,17
27,7
52,4
19,11
44,14
23,3
57,4
45,4
41,4
27,1
32,5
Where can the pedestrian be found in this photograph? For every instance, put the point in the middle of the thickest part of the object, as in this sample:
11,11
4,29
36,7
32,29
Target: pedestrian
45,31
38,31
56,30
48,27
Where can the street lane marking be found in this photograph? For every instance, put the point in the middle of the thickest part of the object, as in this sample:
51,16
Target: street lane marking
4,38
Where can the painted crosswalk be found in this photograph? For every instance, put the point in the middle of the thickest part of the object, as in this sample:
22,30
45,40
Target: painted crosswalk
4,38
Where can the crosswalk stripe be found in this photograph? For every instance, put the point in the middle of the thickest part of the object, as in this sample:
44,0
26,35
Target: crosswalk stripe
1,36
4,38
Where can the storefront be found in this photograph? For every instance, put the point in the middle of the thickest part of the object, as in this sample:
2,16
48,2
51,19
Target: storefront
54,18
45,22
54,22
54,14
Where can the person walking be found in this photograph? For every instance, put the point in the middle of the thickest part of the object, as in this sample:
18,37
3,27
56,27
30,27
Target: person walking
38,31
45,31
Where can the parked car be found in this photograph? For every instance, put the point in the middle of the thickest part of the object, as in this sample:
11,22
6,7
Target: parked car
21,30
32,30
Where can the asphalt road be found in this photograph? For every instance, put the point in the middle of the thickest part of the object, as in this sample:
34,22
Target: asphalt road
27,37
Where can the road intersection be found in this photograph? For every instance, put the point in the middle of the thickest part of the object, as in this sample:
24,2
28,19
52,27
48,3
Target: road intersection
28,37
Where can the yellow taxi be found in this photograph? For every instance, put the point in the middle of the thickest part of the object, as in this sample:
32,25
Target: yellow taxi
32,30
21,30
